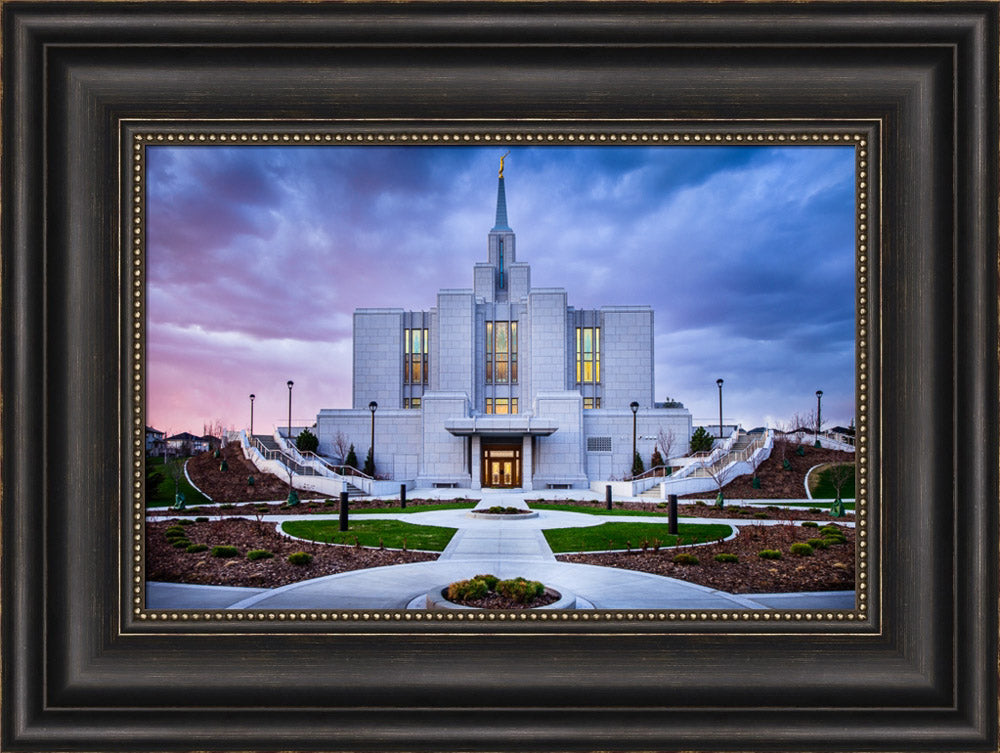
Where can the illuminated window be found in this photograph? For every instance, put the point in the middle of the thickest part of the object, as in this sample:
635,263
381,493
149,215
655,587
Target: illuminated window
588,355
591,402
501,405
415,356
489,405
415,402
501,352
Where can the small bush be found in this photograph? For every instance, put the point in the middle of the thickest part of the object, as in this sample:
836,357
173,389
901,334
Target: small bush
830,528
180,543
174,530
520,590
227,506
685,558
467,590
699,502
192,548
224,550
259,554
769,554
513,510
761,515
262,508
185,522
300,558
726,557
496,509
810,524
818,543
772,508
834,540
801,549
490,580
201,519
663,504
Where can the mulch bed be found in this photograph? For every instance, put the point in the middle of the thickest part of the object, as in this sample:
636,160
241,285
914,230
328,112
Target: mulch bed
825,570
231,485
494,600
775,481
164,563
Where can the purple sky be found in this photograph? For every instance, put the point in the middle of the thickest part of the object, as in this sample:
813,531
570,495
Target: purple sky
257,257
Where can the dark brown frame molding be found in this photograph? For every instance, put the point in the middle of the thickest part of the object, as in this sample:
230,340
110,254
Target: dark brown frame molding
919,672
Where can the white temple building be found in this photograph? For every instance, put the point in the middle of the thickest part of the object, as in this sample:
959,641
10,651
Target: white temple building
504,385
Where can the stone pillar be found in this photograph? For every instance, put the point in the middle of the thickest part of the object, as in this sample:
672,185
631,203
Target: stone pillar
477,463
526,462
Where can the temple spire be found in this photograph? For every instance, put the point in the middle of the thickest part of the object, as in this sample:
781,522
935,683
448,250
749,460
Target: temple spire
501,223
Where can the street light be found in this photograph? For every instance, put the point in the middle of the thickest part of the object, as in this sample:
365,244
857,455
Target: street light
291,499
373,406
719,383
635,407
819,414
252,398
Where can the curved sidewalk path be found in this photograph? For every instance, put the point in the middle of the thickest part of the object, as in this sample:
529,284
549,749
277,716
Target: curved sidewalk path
506,548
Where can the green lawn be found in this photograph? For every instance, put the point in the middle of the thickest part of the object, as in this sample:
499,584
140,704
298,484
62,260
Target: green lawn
816,505
412,508
370,532
615,535
160,484
825,488
597,510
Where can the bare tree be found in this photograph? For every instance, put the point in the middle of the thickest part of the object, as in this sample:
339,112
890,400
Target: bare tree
715,472
341,446
665,441
839,475
782,441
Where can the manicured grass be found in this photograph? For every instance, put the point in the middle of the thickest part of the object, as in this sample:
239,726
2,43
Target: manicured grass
160,484
369,532
825,489
653,510
615,535
411,508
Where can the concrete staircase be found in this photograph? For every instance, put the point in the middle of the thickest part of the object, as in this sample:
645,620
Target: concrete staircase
268,443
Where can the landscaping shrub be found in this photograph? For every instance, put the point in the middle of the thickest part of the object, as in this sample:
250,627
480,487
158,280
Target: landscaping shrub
685,558
185,522
699,503
637,465
169,530
772,508
810,524
224,550
192,548
520,590
513,510
496,509
761,515
830,528
227,506
306,441
769,554
801,549
467,590
818,543
259,554
490,580
180,543
352,458
663,504
701,440
300,558
201,519
726,557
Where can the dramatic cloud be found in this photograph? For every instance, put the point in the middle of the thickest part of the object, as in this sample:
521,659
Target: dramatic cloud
258,256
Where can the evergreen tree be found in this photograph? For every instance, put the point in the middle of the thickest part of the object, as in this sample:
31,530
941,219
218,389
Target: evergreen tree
306,441
701,440
352,458
369,469
657,460
637,466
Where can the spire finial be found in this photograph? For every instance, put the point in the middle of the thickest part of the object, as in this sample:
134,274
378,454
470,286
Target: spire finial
501,162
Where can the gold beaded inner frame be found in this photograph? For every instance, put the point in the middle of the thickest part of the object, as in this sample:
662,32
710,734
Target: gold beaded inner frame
136,136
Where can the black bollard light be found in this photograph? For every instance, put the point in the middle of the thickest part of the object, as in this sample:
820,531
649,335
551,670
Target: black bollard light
343,511
607,496
672,524
402,496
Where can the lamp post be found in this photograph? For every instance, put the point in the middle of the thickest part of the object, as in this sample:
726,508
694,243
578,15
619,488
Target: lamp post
252,398
635,407
293,498
373,406
819,414
719,383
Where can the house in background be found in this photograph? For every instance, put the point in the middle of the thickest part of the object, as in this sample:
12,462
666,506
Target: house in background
154,441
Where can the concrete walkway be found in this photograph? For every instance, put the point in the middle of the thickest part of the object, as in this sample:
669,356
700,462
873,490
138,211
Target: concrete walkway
505,548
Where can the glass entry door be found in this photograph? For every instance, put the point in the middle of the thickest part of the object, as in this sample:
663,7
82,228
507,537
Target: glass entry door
501,466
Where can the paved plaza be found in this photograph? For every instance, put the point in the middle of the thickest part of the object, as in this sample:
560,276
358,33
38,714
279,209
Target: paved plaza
505,548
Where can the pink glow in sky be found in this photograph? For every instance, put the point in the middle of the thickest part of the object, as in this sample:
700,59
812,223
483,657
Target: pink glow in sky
257,257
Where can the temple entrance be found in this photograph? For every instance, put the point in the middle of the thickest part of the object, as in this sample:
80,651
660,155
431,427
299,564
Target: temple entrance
501,466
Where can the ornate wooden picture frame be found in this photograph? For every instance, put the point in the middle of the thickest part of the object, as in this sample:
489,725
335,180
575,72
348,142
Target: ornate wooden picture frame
85,666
